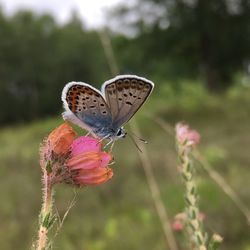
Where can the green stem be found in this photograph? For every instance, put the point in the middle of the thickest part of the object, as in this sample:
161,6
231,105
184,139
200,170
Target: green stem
192,209
46,217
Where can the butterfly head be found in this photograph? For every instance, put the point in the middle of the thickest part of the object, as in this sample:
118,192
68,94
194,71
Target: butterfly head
121,133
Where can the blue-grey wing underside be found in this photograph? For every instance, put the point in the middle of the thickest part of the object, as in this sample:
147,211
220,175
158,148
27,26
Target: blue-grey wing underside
89,108
125,95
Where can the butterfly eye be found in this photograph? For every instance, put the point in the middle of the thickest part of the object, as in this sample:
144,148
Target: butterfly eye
121,133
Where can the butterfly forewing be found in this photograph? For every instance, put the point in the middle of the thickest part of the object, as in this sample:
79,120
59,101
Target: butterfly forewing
88,105
125,95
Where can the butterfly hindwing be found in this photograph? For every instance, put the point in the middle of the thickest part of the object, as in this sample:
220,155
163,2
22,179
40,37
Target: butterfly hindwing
125,95
85,106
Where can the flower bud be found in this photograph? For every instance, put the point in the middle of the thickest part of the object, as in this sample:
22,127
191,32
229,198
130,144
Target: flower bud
185,135
61,138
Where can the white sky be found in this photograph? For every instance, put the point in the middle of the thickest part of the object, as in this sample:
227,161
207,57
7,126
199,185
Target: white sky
91,11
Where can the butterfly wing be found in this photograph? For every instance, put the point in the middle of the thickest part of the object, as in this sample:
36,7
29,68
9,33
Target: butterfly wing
85,106
125,94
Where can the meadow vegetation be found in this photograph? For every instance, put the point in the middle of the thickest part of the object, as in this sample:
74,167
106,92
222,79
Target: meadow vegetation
120,214
197,53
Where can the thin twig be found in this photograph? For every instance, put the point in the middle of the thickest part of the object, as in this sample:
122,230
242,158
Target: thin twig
164,125
153,186
61,221
155,192
109,53
223,185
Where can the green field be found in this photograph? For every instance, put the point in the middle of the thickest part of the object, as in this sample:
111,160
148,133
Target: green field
120,214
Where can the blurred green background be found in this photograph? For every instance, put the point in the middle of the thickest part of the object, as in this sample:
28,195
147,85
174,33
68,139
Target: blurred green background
197,53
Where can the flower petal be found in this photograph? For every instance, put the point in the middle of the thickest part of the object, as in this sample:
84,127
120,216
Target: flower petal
94,177
85,144
87,163
105,159
88,160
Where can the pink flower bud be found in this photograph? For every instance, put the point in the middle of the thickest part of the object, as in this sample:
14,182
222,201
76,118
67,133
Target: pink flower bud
56,145
61,138
185,135
177,225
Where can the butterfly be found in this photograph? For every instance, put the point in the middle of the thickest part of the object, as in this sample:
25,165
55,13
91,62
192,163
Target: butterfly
104,113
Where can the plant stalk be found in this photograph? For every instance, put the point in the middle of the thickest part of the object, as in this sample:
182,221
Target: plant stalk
46,218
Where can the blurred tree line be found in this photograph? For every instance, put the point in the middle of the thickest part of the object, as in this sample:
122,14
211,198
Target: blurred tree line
187,38
38,57
171,39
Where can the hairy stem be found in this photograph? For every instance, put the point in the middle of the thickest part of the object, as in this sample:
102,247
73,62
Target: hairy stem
46,217
194,226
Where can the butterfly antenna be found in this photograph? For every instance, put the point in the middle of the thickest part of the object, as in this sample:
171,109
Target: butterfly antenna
133,140
146,142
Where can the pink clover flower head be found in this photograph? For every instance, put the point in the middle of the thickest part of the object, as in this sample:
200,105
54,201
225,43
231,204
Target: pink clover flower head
78,161
185,135
88,164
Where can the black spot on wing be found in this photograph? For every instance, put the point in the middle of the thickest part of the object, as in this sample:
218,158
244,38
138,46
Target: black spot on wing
129,103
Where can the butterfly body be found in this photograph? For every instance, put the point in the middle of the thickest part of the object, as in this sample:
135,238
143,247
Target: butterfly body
104,113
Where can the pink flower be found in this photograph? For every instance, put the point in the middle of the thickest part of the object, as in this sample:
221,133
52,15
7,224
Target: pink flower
185,135
181,219
177,225
80,161
88,164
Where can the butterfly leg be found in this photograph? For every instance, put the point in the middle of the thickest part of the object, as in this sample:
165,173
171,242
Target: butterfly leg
102,139
110,141
112,145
